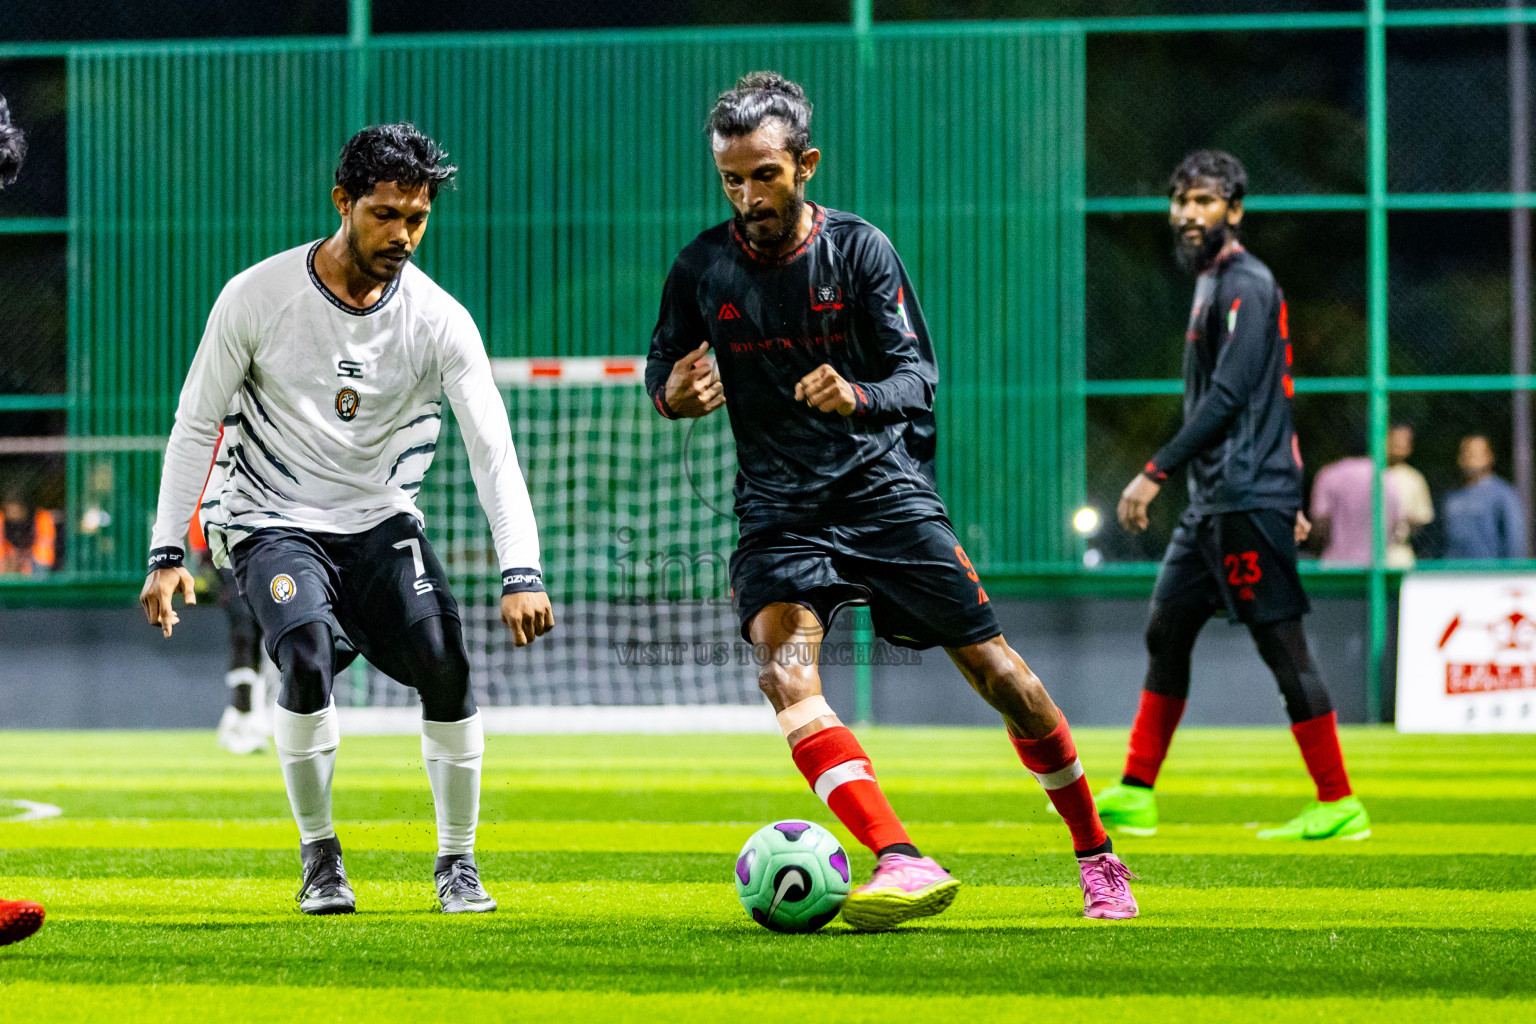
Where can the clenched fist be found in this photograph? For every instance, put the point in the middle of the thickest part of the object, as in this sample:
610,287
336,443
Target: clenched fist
824,390
693,387
527,615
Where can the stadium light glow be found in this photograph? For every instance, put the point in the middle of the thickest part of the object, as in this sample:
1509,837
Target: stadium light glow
1086,521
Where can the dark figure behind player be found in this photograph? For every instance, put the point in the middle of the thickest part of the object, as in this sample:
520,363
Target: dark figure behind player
18,918
1234,550
821,349
245,727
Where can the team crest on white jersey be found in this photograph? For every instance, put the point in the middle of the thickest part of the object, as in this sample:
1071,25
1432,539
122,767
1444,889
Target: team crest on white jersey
346,403
283,588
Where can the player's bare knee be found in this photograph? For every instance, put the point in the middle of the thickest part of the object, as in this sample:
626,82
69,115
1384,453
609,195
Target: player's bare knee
786,684
1001,677
1017,688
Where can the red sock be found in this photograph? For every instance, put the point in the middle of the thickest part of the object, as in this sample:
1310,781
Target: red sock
839,771
1053,760
1156,718
1319,742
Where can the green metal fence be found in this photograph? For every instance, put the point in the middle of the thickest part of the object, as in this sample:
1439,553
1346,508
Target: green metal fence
584,172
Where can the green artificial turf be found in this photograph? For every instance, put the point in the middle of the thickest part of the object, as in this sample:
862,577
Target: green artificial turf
169,883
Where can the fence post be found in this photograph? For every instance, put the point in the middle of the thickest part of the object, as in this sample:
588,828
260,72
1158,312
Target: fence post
359,28
1520,259
863,16
863,652
1376,305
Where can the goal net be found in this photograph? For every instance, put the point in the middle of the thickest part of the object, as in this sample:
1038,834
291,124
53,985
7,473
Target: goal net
634,515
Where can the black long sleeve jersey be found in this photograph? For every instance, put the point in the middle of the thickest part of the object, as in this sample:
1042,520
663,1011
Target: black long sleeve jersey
1238,439
841,298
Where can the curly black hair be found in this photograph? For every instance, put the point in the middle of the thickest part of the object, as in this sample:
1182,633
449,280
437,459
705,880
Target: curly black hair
392,152
13,146
1211,165
759,95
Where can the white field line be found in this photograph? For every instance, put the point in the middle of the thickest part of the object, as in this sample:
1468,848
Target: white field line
729,718
31,810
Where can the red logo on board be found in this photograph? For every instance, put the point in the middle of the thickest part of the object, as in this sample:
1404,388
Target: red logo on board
728,312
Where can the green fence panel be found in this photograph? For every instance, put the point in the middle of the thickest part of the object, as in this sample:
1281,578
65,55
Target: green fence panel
185,168
584,171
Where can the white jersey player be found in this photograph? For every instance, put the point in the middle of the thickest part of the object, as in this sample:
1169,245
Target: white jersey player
326,367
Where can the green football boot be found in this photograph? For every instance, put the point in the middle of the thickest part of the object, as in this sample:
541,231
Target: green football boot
1128,809
1338,819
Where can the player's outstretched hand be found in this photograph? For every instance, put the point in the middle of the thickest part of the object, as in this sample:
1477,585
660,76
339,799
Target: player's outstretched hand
1303,527
825,390
527,615
159,587
1138,494
693,387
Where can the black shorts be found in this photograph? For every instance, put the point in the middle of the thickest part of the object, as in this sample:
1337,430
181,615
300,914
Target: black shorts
368,587
1243,563
920,587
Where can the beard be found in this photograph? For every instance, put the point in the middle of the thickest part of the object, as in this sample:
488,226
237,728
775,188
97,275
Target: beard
1195,259
374,264
770,235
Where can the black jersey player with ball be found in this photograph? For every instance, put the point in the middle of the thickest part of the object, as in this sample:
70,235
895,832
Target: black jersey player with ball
800,320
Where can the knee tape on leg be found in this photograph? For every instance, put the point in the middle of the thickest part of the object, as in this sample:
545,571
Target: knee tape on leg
798,716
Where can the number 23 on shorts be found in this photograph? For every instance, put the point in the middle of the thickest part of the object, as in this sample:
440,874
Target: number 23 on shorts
1243,569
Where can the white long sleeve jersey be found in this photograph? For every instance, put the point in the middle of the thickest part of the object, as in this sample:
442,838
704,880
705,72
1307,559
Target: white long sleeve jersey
330,415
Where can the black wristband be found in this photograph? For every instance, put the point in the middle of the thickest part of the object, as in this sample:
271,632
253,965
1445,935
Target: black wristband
166,558
521,581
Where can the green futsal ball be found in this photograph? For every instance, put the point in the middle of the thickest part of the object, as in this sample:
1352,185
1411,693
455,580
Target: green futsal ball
792,876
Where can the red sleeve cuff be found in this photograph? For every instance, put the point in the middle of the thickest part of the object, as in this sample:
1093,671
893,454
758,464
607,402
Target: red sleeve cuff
861,402
1151,472
661,407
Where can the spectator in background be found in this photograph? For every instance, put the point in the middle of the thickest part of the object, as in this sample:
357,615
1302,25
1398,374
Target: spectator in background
1412,491
1484,518
28,541
1343,510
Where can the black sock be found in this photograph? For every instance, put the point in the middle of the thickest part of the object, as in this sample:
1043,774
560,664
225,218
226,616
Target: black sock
1107,846
240,698
1131,780
905,849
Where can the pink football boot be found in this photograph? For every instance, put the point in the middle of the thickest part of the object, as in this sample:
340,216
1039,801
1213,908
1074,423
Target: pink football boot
903,888
1107,888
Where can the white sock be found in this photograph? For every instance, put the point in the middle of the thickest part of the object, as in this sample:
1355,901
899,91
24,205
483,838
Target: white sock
306,748
453,752
243,677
